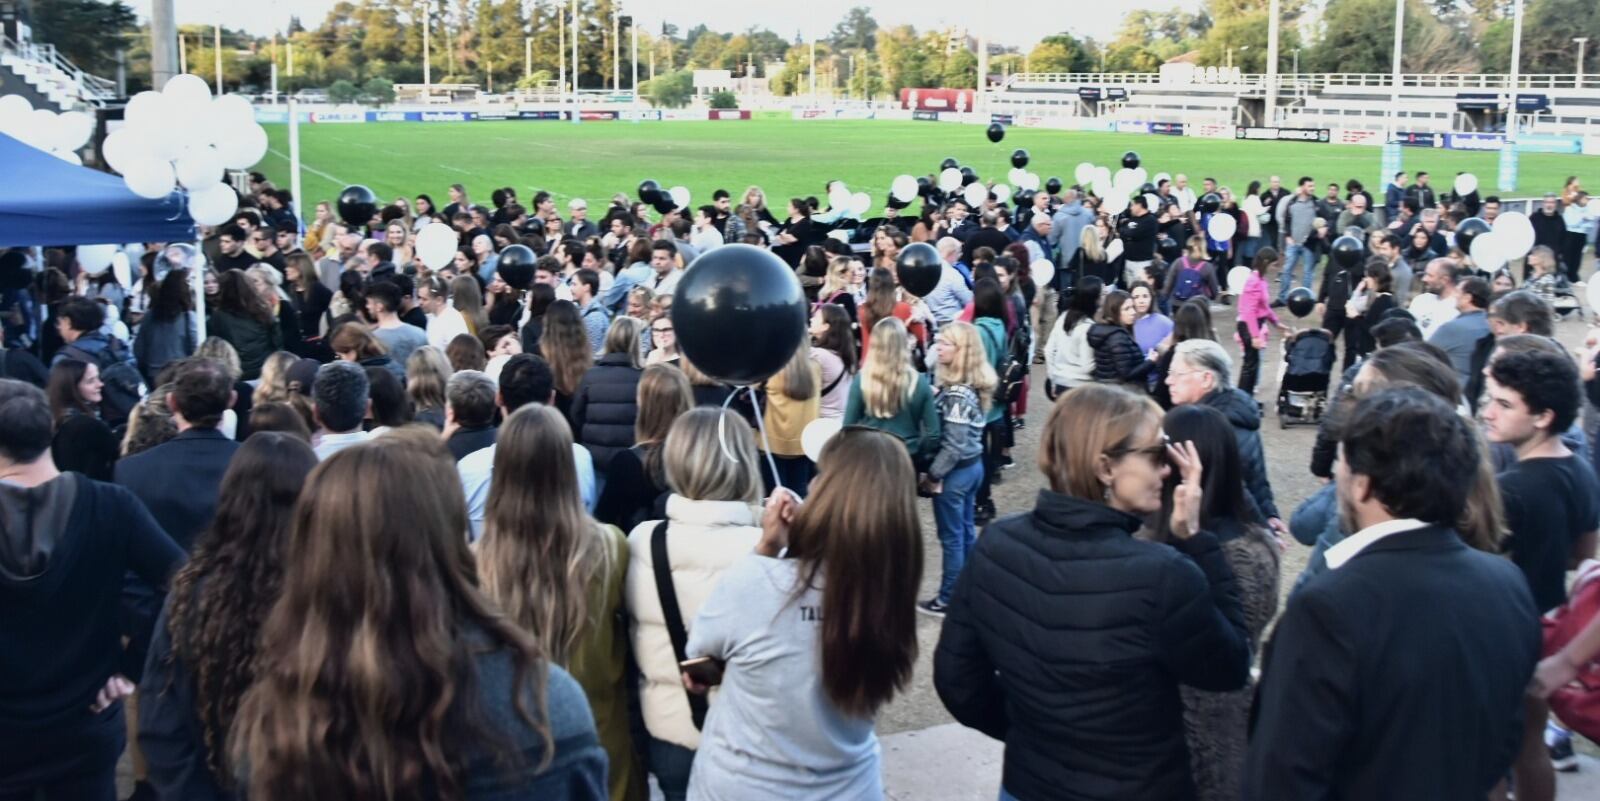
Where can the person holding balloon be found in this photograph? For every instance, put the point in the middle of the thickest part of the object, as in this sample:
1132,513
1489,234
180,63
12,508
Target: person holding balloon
1255,311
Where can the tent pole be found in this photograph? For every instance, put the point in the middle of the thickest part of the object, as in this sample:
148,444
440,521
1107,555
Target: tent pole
197,281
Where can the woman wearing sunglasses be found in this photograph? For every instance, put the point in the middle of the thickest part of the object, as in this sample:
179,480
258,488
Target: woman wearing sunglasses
1085,693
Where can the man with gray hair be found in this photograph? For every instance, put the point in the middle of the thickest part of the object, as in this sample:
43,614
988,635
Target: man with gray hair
340,401
469,412
951,294
1199,374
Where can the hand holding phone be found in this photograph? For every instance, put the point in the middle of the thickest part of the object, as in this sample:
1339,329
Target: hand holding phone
701,673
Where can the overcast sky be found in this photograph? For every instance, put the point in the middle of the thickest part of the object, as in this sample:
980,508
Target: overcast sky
1019,22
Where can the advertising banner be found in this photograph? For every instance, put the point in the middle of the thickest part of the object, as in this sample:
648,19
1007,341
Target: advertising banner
1536,143
682,115
1167,128
649,114
338,116
926,116
1357,136
1002,119
1474,141
1281,134
1090,94
442,116
1211,131
543,114
1419,138
494,114
594,115
1129,126
811,114
729,114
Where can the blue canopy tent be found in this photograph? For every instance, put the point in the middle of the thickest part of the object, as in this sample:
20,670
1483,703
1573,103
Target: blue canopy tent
47,201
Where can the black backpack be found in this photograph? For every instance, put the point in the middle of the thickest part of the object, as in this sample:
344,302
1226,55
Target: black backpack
1013,367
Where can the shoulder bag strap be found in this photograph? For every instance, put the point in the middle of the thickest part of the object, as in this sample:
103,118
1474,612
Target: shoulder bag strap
668,595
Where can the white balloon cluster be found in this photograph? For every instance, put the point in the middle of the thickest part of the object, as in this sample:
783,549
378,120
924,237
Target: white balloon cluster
60,135
1511,239
181,135
849,205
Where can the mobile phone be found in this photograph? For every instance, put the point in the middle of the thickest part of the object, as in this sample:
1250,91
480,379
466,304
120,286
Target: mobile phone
706,671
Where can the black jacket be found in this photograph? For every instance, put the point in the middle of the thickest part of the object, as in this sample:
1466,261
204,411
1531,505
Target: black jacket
991,238
1548,229
605,407
253,339
1399,675
470,440
1138,237
1245,417
1067,638
178,481
1116,355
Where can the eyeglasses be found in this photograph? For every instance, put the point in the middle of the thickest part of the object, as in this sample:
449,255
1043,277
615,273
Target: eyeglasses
1155,454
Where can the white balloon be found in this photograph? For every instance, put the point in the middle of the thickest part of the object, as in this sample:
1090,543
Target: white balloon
69,156
1001,192
38,129
242,151
150,179
436,245
1084,173
125,146
1159,177
680,196
1139,176
950,179
838,196
187,90
1466,183
1114,204
96,259
1237,278
213,204
975,194
1015,175
13,107
816,434
122,269
904,188
1515,231
1489,251
199,167
1102,180
233,107
148,110
860,204
73,129
1222,227
1029,182
1152,201
1041,271
1123,181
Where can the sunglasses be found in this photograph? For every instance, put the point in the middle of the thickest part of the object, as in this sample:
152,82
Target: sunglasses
1155,454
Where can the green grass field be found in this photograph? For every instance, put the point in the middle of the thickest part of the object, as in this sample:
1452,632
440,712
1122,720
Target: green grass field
794,158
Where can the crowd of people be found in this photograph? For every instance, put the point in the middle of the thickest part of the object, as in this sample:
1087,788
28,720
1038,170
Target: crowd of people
391,530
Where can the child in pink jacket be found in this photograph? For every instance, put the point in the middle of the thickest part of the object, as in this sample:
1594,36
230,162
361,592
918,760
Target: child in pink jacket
1255,309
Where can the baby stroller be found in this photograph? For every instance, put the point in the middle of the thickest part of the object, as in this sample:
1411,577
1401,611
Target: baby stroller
1307,374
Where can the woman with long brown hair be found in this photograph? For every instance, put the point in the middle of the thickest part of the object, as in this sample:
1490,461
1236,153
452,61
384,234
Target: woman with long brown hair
204,653
638,479
83,443
834,348
244,320
384,672
557,573
883,302
467,298
565,345
830,627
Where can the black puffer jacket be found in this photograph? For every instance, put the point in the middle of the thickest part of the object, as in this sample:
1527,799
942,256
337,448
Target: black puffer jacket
605,407
1116,355
1067,638
1245,417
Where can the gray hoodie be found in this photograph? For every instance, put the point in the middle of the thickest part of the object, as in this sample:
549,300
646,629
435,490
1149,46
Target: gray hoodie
1066,228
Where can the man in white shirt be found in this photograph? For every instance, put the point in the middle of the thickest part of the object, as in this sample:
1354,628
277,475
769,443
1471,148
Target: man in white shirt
525,379
1438,305
706,236
664,261
1181,191
951,294
340,402
444,321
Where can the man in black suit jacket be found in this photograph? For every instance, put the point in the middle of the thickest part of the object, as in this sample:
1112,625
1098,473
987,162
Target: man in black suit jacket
178,479
1400,672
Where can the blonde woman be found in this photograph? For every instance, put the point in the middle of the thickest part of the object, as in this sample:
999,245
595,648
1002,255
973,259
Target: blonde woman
274,386
468,299
836,285
966,390
1090,258
793,400
713,521
890,395
557,573
427,375
757,201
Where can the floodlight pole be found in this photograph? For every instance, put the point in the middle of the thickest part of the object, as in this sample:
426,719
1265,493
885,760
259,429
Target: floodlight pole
561,55
633,33
1394,76
427,52
575,112
813,71
1272,63
217,46
616,49
1516,71
163,43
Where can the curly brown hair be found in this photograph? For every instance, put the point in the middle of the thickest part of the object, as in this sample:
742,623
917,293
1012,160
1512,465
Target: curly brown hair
220,599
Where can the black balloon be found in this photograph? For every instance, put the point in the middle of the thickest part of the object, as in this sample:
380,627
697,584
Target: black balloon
1209,203
515,266
1301,301
1130,160
897,203
663,203
1052,186
948,163
1147,189
1022,198
924,186
1347,251
1468,230
357,204
649,191
996,132
1019,158
740,314
918,268
968,175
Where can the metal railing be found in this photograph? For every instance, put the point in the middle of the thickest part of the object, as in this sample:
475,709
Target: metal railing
1308,80
90,88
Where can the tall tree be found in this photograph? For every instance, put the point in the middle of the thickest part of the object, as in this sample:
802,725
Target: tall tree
82,29
1061,52
857,31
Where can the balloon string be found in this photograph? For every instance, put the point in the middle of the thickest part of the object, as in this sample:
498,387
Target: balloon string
761,425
